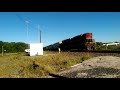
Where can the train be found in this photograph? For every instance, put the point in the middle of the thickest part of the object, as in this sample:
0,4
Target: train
80,42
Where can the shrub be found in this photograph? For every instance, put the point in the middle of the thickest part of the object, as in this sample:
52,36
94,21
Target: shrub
84,58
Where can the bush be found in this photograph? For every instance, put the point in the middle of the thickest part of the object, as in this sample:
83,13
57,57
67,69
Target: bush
84,58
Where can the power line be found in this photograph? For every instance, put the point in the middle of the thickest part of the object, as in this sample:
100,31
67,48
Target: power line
31,26
24,21
20,18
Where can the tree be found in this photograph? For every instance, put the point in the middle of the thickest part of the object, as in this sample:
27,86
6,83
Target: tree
12,47
1,44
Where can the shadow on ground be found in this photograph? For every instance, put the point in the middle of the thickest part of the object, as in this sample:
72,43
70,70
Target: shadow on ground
99,72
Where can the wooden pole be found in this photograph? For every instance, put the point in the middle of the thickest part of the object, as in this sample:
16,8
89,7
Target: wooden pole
2,50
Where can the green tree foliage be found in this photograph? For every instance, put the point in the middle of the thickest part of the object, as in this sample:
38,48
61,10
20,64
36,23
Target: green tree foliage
99,45
113,47
1,44
12,47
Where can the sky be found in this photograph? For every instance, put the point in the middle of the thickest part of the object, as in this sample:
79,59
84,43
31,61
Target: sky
57,26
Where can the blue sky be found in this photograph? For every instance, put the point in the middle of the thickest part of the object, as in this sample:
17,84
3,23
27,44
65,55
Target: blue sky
57,26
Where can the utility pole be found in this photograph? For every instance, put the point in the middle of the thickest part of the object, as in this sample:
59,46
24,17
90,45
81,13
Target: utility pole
40,36
2,50
39,32
27,33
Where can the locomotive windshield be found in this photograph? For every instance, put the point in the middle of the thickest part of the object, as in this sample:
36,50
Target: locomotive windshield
88,40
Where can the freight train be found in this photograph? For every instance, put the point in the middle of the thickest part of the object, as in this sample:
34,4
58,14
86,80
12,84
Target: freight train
80,42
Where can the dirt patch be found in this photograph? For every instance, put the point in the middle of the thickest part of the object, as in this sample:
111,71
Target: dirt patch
98,67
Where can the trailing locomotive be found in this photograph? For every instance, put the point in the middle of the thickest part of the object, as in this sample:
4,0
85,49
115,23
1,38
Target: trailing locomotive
52,47
80,42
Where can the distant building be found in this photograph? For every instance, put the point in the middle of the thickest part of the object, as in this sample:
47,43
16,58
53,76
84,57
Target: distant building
113,43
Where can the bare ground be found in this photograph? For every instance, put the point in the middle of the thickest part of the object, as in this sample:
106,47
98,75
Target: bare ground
97,67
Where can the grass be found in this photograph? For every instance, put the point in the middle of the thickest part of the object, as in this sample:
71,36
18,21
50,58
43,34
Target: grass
17,65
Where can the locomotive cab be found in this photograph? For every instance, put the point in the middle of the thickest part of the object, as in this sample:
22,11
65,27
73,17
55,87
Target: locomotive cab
90,44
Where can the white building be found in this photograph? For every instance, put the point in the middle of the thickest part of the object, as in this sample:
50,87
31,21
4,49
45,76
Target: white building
35,49
113,43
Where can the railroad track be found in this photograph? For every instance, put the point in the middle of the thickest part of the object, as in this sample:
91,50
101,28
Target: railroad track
92,53
99,51
95,53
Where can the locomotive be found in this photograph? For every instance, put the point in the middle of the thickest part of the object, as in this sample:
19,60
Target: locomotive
80,42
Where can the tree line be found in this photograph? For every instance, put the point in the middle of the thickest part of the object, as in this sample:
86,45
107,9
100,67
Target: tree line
13,47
